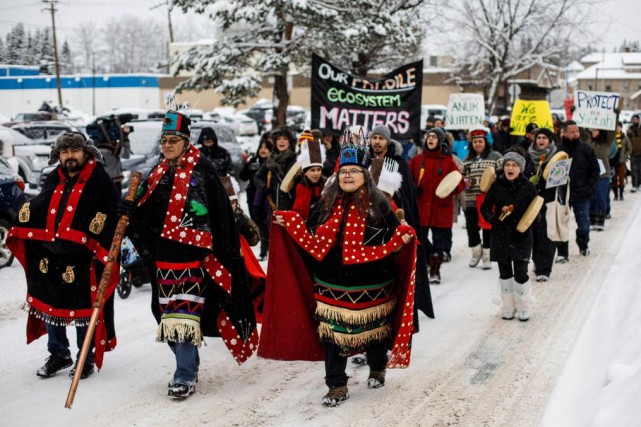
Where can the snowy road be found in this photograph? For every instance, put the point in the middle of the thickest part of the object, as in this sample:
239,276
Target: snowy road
469,367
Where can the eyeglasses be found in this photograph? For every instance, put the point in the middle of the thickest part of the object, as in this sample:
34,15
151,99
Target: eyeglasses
345,172
170,141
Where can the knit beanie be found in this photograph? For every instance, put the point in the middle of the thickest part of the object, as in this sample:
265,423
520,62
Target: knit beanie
439,133
515,157
381,130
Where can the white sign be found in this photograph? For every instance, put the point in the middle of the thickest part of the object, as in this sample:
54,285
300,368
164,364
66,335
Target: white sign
559,173
465,110
595,110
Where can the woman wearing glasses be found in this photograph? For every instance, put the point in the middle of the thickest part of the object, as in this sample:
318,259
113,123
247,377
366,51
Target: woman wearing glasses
357,292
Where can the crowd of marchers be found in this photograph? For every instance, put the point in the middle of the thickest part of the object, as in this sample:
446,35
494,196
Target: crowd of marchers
355,227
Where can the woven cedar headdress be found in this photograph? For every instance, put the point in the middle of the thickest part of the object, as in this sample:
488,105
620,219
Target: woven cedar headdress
354,146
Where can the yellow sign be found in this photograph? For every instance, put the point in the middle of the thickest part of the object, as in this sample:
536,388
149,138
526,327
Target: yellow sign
526,112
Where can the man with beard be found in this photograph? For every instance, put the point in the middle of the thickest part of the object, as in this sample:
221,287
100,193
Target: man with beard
62,240
584,174
381,146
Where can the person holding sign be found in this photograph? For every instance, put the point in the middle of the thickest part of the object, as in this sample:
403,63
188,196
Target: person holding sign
541,152
601,142
436,214
584,174
480,157
505,204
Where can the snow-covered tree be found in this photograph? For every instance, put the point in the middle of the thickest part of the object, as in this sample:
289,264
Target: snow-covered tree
2,52
16,39
498,39
66,59
261,39
27,54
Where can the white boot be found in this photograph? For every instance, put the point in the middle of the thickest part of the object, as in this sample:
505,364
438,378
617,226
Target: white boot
507,298
524,299
477,253
486,264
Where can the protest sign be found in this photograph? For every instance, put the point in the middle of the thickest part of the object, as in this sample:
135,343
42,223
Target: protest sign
595,110
340,99
526,112
465,110
559,173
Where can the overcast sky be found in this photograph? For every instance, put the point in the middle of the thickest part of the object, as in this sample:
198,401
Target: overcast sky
617,19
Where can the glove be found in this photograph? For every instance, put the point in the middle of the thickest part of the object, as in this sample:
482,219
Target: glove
124,208
534,179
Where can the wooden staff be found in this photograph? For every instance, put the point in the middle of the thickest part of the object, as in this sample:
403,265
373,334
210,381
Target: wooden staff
99,302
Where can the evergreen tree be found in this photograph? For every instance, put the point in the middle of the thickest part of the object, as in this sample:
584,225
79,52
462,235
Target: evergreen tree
15,44
66,60
2,52
27,56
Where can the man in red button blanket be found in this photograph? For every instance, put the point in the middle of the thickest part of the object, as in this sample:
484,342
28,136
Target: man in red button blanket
346,284
62,240
183,227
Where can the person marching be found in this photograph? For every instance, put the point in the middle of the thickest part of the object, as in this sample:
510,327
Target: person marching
217,155
436,214
543,249
361,287
505,203
183,227
309,188
62,239
480,157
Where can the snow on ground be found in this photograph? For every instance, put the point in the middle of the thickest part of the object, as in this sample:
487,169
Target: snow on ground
575,363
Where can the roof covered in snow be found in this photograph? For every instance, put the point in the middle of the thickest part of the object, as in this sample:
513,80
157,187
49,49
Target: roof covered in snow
614,66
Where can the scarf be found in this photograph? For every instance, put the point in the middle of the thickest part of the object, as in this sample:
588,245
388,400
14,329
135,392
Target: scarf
277,162
536,153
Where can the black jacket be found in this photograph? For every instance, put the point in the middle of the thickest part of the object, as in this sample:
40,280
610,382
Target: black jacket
507,243
584,172
220,158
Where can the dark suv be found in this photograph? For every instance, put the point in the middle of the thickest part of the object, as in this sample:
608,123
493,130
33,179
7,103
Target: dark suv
11,199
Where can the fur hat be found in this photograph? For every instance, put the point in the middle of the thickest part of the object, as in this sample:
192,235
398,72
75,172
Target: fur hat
381,130
516,158
72,140
386,175
176,123
312,153
231,186
354,147
287,132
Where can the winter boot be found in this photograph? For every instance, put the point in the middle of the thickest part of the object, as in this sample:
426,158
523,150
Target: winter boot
87,370
180,391
53,364
507,298
435,269
523,299
615,190
486,264
335,396
376,379
477,253
599,217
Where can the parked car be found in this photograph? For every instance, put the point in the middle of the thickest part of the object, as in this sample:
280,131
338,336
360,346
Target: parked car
11,199
226,139
241,123
262,113
8,139
296,117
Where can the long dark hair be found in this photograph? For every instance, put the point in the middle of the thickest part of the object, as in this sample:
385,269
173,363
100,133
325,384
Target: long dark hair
471,154
368,193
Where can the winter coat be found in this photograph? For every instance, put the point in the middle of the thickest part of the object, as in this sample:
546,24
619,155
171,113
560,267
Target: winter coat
220,158
247,174
535,157
584,171
507,243
634,133
434,211
269,177
602,149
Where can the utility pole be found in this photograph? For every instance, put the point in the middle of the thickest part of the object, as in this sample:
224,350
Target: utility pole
170,6
51,7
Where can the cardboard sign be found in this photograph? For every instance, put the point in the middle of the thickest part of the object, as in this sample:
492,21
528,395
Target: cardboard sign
465,110
559,173
595,110
526,112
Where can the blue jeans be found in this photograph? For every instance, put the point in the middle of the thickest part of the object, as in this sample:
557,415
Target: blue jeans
58,343
601,197
187,362
581,210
